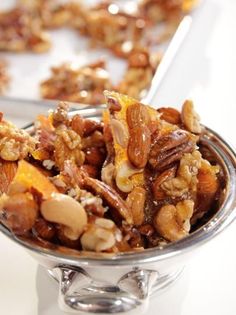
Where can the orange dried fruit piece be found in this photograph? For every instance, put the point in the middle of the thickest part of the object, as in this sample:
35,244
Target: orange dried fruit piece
28,176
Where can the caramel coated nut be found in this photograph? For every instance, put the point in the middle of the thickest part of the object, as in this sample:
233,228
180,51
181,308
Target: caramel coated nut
120,132
136,200
157,190
186,179
172,222
111,197
208,183
136,115
63,209
170,148
14,143
108,174
44,229
94,156
123,176
171,115
190,118
139,146
21,211
99,236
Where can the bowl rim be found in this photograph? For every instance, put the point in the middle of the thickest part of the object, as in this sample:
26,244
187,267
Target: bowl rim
223,218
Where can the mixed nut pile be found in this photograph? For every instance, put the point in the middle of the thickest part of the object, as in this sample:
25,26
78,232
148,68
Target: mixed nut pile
139,178
123,31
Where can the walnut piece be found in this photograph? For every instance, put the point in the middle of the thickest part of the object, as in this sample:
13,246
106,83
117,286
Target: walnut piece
172,222
15,144
68,147
186,179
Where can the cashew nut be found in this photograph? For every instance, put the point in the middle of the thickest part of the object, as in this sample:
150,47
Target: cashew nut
107,173
100,236
120,132
124,171
172,222
190,118
64,210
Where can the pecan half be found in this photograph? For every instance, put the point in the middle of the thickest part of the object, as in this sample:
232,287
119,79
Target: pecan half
91,170
139,146
110,196
170,148
136,115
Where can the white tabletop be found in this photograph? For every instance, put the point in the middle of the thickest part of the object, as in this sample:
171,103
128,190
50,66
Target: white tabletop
205,70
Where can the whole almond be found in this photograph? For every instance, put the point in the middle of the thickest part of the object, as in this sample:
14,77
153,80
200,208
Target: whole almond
136,115
171,115
94,156
90,126
77,124
139,146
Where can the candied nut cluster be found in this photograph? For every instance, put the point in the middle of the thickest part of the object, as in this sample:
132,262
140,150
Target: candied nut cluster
135,180
124,30
15,144
82,85
161,10
21,30
109,26
139,73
